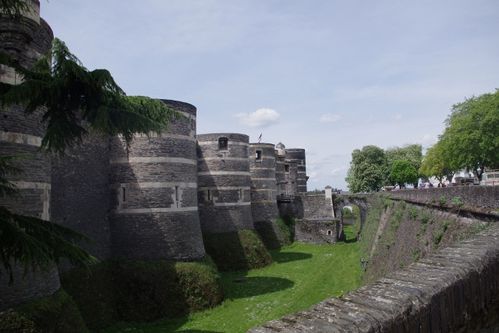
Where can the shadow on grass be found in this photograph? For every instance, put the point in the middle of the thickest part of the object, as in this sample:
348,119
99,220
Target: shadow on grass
284,257
196,331
257,285
350,240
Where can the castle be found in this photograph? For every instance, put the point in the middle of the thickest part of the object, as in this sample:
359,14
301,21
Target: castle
156,199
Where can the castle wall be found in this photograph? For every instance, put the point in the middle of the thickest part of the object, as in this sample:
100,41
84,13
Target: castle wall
154,193
20,136
297,156
80,194
485,198
455,289
263,182
224,183
290,177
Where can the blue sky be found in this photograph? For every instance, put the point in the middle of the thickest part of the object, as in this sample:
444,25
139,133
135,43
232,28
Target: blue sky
327,76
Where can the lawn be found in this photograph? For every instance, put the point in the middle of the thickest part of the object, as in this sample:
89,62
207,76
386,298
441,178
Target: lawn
301,275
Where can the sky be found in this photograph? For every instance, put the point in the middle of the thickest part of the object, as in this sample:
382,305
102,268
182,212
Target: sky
325,75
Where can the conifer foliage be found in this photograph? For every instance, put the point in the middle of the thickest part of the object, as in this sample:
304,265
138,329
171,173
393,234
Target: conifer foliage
73,99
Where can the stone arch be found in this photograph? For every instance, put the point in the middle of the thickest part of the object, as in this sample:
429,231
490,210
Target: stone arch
344,201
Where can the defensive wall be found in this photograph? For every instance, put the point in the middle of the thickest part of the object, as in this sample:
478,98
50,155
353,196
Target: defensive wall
25,40
484,199
454,289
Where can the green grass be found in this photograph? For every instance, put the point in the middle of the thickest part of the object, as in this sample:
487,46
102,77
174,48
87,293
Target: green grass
301,275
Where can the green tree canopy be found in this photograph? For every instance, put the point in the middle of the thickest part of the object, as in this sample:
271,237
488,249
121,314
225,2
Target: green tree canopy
367,170
435,163
471,138
411,153
74,99
403,172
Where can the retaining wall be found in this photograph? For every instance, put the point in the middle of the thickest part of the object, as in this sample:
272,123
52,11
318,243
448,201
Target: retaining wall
454,290
484,198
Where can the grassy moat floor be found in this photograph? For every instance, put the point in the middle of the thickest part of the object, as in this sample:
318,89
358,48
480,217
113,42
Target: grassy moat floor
301,275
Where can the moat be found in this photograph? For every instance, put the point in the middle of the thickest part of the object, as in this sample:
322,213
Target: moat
301,275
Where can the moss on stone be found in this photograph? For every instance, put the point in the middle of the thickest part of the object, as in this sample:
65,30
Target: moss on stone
57,313
241,250
142,290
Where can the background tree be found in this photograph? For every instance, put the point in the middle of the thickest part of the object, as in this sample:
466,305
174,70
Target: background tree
403,172
411,153
367,170
471,138
435,164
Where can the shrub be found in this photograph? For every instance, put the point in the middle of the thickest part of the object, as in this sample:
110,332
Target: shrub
199,284
457,202
57,313
239,250
142,290
442,201
413,213
14,322
438,237
287,228
425,217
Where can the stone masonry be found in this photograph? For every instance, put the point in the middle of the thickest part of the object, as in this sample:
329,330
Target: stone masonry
453,290
25,40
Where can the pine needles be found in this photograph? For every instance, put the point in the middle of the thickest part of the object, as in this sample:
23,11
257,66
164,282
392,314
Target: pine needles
74,99
30,241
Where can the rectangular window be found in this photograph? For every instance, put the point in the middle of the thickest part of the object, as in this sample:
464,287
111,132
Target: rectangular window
241,194
223,143
286,167
123,193
258,155
208,195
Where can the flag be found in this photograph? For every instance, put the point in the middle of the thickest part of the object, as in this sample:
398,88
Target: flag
260,138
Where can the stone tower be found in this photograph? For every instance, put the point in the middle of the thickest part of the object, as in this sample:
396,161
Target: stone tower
224,182
280,157
154,193
297,155
264,192
26,40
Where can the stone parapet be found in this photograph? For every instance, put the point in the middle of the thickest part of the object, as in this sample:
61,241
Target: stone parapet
474,197
453,290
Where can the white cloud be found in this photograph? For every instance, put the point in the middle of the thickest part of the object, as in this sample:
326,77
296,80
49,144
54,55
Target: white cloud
260,118
329,118
398,116
337,171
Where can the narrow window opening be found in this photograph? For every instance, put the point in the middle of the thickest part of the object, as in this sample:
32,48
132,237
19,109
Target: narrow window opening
176,196
241,194
223,143
193,124
286,167
208,195
258,156
123,194
329,232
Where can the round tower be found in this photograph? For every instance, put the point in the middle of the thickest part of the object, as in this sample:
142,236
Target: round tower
225,202
25,39
297,155
280,156
154,193
263,182
264,193
224,182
